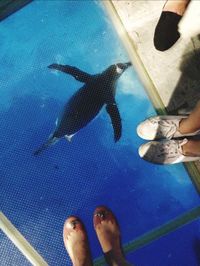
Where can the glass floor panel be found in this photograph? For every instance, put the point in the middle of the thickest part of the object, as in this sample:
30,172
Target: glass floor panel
39,192
181,247
9,253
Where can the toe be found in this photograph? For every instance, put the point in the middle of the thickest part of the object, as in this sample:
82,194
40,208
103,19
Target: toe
102,213
72,224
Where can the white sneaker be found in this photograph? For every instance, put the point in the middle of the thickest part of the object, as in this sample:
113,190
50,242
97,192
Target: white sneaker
165,152
160,127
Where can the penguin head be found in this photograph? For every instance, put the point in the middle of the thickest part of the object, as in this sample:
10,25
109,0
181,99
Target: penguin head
113,72
121,67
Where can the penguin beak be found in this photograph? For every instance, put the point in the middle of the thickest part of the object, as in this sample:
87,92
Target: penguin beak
128,64
121,67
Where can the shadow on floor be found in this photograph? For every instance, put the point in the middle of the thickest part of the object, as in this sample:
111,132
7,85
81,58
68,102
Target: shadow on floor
196,245
187,91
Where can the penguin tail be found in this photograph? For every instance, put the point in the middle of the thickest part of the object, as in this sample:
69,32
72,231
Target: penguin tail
51,141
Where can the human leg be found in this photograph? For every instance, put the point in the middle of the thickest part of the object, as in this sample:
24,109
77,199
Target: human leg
192,148
169,127
108,233
192,122
176,6
76,242
166,32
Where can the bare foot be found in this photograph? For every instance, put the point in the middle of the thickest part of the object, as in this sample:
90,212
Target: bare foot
76,242
176,6
108,233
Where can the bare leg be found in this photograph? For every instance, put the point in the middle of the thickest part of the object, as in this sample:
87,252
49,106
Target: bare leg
166,32
76,242
108,233
192,123
191,148
176,6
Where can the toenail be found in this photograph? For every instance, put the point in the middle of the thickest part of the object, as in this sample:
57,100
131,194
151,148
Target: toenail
101,214
74,223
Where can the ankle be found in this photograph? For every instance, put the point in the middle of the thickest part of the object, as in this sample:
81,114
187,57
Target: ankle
191,148
82,262
114,258
176,6
184,128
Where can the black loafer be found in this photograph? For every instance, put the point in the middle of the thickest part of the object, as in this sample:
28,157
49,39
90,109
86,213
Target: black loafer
166,32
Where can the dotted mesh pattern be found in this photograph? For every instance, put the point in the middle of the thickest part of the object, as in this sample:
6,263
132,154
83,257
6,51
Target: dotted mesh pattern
39,192
9,254
171,248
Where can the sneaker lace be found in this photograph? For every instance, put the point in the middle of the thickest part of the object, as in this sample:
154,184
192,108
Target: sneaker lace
166,128
172,148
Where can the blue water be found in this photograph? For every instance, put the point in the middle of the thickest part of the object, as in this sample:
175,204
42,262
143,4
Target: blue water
39,193
180,248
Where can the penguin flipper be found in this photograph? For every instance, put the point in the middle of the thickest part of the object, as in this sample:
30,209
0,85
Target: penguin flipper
116,120
74,71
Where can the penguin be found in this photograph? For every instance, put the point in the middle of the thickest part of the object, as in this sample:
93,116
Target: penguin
98,90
